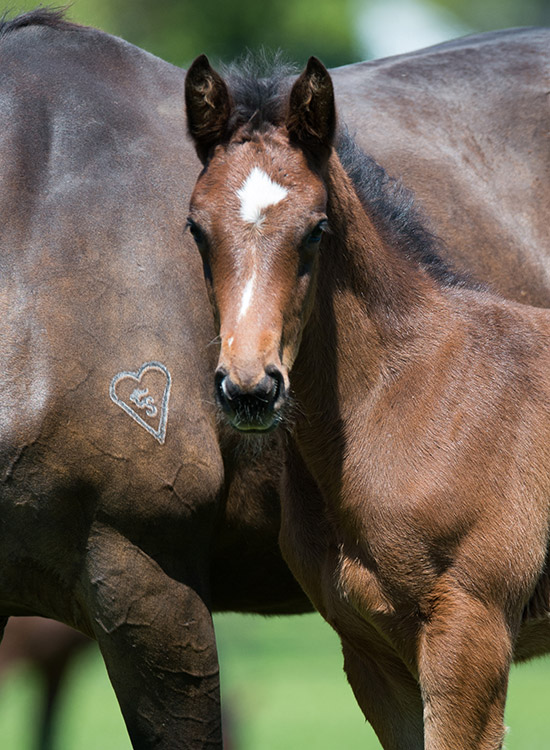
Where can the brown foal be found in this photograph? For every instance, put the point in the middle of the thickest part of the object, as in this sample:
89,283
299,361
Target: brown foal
417,484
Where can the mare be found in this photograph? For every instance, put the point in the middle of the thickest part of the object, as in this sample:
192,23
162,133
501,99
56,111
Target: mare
416,488
132,540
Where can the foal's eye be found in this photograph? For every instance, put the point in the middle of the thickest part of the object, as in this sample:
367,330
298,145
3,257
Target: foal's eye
315,235
199,237
196,231
308,250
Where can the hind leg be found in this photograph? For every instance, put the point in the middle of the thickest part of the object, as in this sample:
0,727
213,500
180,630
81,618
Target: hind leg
389,696
157,639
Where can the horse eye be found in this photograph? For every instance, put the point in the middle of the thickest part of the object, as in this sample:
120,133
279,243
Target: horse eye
308,250
199,237
315,235
196,231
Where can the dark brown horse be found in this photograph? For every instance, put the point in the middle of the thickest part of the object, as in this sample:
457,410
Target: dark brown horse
131,524
416,492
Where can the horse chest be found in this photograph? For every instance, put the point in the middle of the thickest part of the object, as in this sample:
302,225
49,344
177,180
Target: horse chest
358,606
336,568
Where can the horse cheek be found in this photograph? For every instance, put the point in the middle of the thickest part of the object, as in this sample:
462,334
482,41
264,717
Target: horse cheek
213,304
298,312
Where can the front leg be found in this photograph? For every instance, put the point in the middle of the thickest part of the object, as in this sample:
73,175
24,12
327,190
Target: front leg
384,688
386,692
157,639
464,660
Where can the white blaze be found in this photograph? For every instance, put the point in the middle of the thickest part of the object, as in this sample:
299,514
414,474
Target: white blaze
247,296
258,192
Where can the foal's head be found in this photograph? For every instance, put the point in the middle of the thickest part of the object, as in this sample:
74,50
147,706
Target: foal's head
257,214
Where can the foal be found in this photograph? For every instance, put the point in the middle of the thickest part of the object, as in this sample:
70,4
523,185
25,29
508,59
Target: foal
416,489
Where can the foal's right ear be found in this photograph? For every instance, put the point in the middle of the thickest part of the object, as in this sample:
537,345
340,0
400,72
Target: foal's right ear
208,106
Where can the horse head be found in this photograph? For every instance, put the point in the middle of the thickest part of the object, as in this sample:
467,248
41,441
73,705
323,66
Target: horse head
258,215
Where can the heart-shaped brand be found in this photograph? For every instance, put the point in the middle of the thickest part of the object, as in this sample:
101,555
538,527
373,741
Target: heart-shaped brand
144,395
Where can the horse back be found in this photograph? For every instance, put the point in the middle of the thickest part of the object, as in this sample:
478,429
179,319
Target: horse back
465,124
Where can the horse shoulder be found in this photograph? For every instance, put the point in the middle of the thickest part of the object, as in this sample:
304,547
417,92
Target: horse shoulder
468,440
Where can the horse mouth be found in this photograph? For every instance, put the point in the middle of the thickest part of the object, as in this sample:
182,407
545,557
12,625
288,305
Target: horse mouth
252,422
258,428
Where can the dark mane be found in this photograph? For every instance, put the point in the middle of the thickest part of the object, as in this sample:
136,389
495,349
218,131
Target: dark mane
53,17
392,208
259,87
259,101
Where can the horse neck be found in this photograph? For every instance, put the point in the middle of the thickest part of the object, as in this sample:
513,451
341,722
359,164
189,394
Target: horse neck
371,301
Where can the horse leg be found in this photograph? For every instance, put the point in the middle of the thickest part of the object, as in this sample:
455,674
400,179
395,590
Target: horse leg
53,678
389,697
464,659
157,639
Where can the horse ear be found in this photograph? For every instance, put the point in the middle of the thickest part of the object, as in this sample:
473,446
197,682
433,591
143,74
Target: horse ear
208,106
311,117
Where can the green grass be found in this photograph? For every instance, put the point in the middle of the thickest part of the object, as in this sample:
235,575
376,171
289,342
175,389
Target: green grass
283,680
89,717
283,689
283,677
527,705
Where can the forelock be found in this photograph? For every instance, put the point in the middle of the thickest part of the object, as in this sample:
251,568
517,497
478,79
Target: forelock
259,86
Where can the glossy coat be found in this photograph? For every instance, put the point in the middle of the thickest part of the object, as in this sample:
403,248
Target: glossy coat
102,527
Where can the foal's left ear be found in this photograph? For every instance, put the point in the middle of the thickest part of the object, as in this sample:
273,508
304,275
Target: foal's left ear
311,117
208,106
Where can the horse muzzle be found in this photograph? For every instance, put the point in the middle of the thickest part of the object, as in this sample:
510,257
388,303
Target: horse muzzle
252,407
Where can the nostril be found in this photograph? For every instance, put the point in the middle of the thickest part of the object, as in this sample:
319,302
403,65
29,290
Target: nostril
263,391
228,393
278,383
220,385
277,388
255,407
262,397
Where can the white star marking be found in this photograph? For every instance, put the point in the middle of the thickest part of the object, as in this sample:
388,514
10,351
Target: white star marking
257,193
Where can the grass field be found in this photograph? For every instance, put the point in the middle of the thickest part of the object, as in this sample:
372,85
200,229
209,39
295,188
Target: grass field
283,689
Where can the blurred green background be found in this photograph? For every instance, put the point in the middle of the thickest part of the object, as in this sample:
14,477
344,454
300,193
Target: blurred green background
282,680
283,688
337,31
